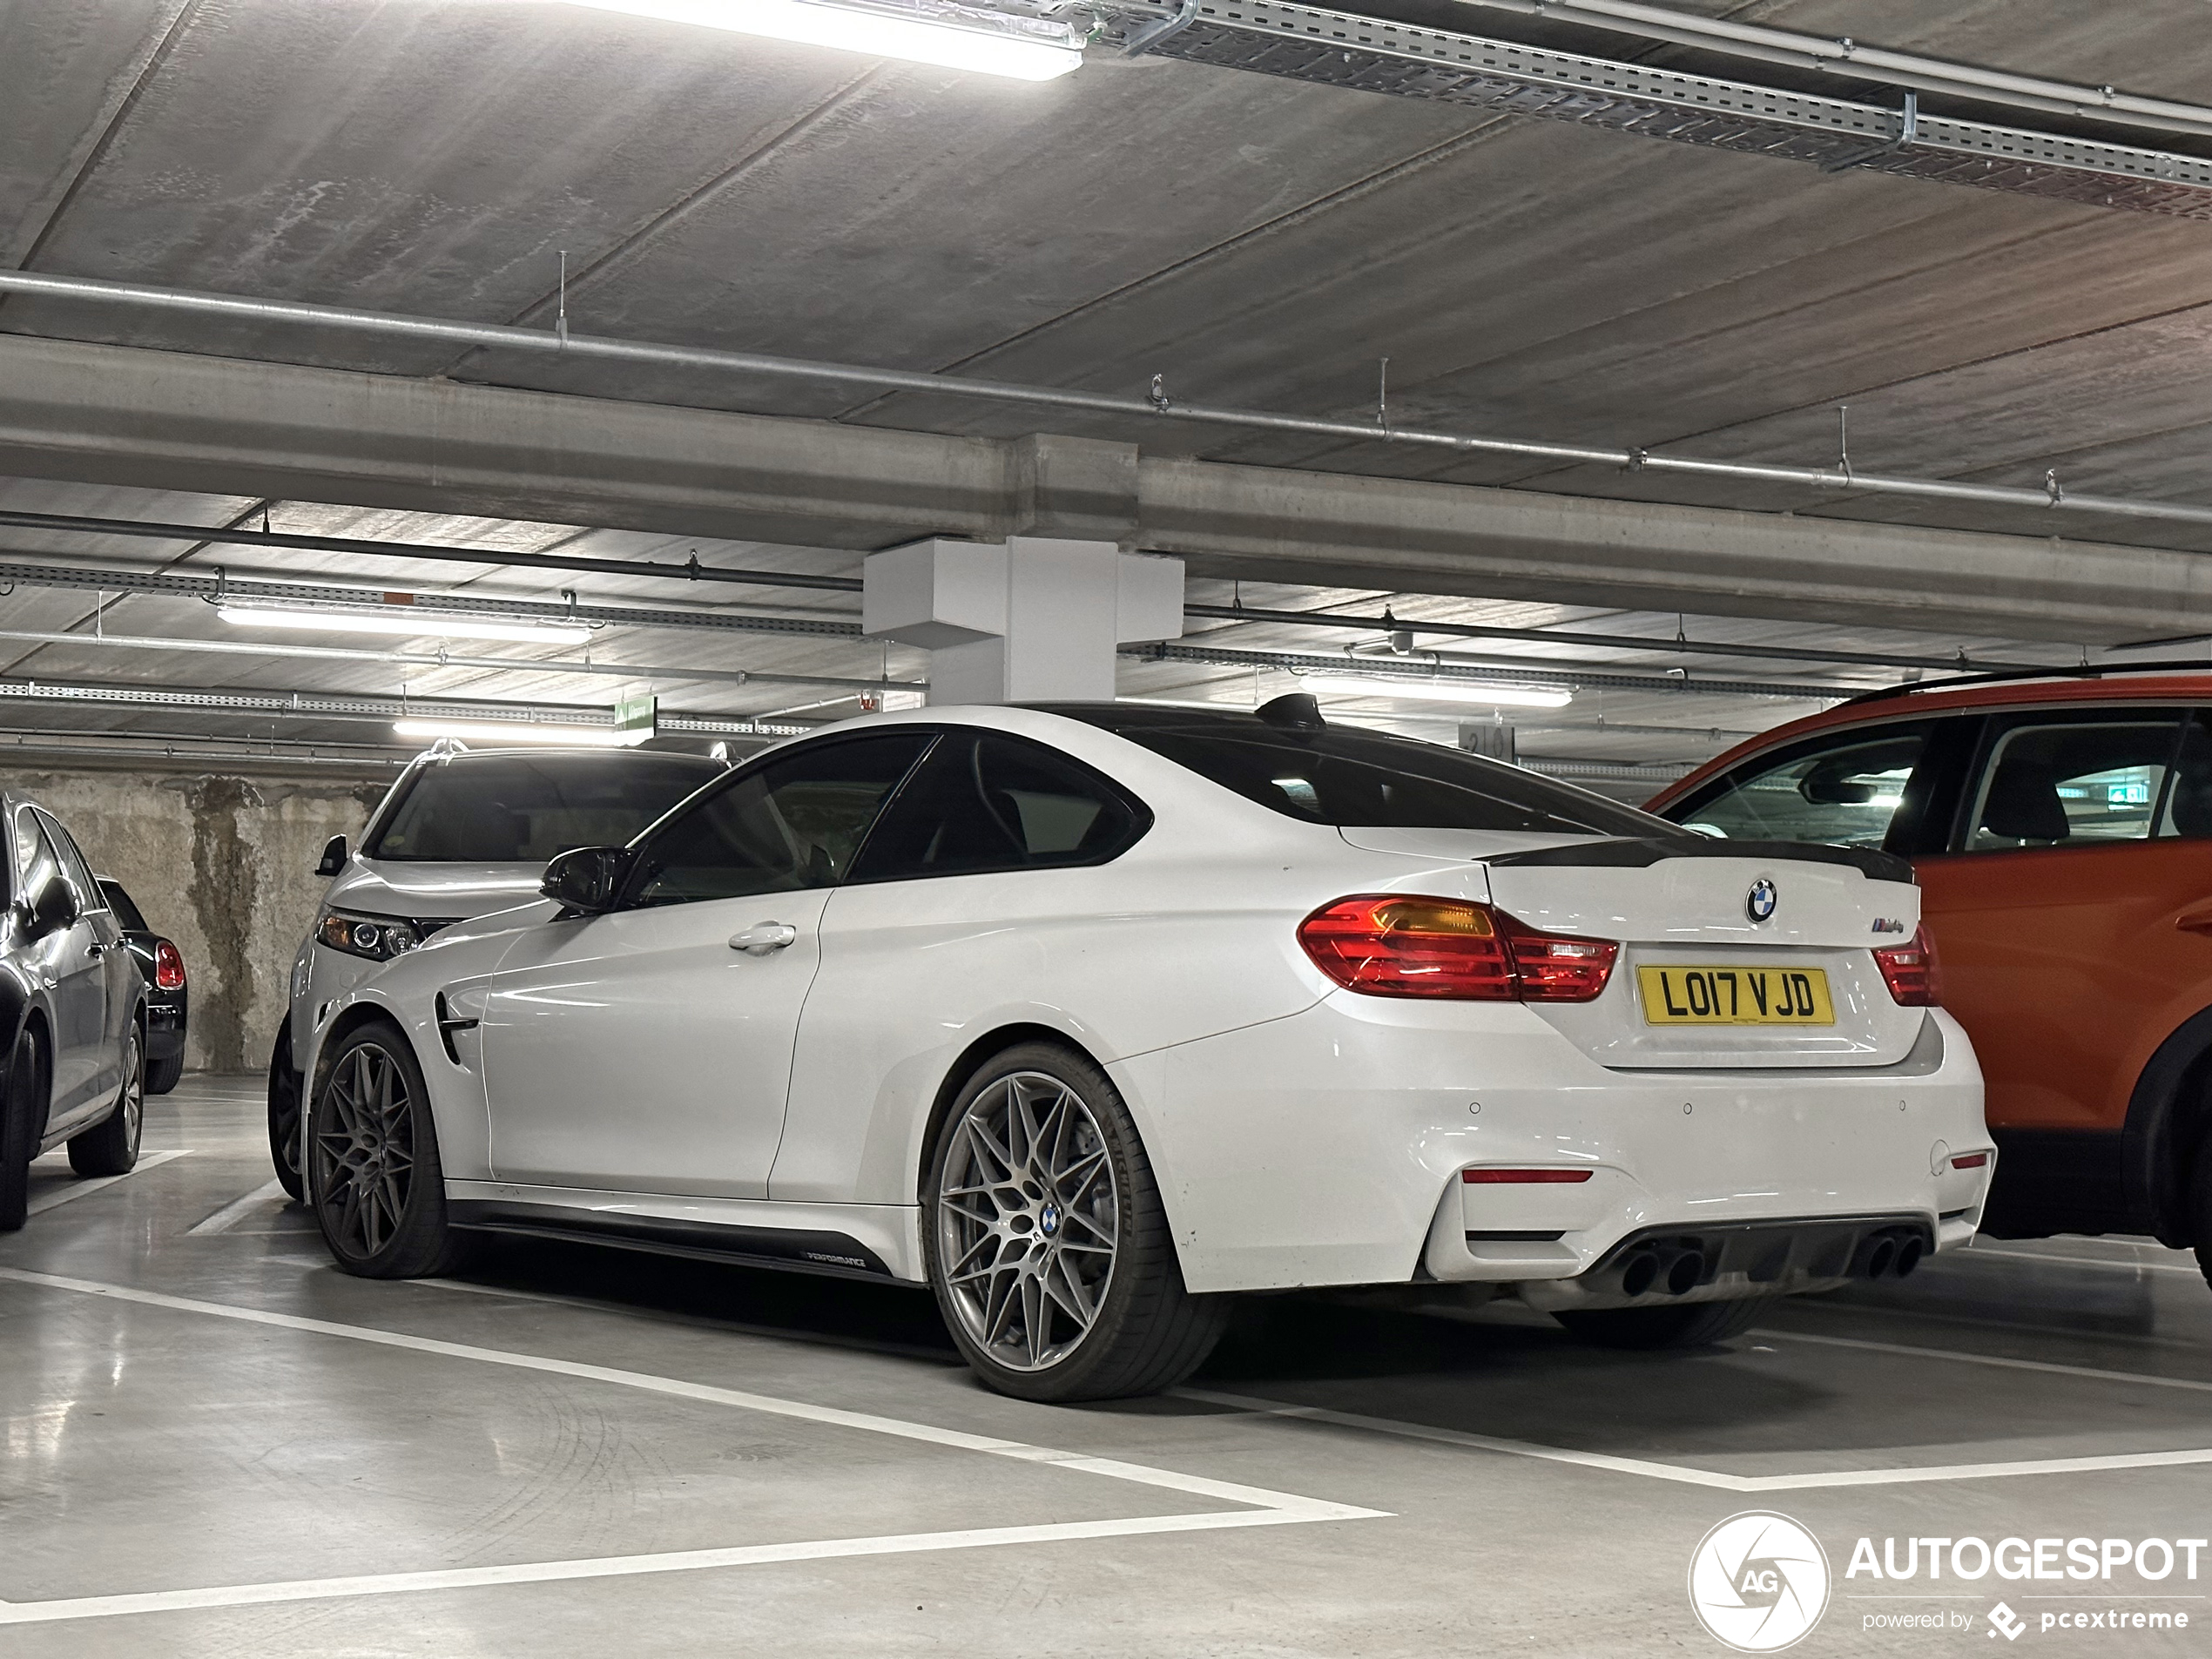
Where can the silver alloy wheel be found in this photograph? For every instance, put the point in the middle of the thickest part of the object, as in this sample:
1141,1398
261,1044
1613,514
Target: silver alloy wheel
1027,1220
134,1092
365,1155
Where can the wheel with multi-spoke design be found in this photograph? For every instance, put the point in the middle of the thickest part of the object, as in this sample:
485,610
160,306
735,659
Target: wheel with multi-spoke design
111,1146
373,1175
1046,1240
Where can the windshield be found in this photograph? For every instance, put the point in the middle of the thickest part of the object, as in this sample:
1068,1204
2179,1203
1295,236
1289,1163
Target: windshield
523,809
1349,778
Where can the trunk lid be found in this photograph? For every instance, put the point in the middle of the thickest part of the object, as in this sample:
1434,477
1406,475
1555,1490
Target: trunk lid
1732,920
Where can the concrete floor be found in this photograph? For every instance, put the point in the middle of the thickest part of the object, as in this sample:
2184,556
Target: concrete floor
216,1444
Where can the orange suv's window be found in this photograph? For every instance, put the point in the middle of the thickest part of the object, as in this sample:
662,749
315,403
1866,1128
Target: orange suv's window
2090,778
1845,788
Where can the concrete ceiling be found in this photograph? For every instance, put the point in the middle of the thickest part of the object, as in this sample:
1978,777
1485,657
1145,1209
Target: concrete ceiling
1258,241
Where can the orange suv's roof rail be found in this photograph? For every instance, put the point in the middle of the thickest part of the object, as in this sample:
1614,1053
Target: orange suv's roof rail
2086,671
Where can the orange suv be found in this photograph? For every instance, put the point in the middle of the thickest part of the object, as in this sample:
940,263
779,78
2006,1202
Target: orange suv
2060,828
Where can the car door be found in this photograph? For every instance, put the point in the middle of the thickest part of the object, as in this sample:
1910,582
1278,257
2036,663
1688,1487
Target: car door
110,974
71,973
649,1049
2068,908
980,890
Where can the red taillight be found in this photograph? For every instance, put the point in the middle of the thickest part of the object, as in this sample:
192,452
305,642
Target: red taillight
1387,944
1909,972
1522,1177
168,967
1970,1161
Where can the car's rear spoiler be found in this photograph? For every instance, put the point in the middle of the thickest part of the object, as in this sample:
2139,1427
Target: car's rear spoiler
1638,852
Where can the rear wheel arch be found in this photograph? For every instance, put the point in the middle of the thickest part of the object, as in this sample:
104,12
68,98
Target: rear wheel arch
2169,1113
973,1059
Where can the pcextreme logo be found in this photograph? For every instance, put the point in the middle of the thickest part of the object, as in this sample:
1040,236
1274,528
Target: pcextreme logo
1758,1582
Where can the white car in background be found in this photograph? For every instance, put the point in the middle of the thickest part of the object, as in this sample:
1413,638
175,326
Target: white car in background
1090,1015
460,832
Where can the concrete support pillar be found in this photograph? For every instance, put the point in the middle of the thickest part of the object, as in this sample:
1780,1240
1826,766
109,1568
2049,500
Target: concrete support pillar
1032,619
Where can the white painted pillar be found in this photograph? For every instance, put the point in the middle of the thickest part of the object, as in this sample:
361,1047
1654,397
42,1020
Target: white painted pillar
1032,619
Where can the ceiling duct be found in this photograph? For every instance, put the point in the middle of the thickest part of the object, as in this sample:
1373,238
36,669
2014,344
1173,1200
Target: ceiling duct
1375,54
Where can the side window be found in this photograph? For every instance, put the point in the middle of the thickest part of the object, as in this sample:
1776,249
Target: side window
2069,782
36,862
983,801
794,821
1845,788
89,896
2188,801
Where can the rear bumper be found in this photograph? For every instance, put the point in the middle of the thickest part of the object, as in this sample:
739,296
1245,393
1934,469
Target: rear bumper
1327,1147
165,1030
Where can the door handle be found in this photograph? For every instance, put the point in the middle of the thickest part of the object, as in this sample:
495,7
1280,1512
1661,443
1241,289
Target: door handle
763,937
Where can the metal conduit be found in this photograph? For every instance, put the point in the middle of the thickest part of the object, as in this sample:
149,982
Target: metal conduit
496,336
691,571
423,660
357,707
1567,675
256,587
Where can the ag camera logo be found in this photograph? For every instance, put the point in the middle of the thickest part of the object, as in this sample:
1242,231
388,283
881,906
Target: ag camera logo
1758,1582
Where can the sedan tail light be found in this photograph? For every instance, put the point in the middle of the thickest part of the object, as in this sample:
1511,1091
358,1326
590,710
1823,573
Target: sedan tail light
1909,972
1389,944
168,967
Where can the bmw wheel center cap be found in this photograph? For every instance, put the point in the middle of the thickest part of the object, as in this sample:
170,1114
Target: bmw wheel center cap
1759,903
1048,1220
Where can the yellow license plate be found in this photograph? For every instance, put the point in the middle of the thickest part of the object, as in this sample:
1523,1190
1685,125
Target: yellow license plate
1714,994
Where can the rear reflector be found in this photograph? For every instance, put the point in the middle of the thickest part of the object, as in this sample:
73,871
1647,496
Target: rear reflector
1970,1161
168,967
1909,972
1389,944
1522,1177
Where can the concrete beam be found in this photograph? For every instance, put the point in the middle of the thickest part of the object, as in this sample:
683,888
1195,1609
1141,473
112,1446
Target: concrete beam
167,420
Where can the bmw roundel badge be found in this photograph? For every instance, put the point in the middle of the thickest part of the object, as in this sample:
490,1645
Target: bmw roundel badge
1758,904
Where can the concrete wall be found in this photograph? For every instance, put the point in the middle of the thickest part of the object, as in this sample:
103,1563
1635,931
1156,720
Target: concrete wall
223,865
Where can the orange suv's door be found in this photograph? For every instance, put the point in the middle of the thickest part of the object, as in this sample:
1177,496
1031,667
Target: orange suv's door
2076,849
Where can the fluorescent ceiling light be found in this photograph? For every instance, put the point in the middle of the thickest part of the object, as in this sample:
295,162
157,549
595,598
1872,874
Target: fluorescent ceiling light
591,736
1438,691
404,620
1021,48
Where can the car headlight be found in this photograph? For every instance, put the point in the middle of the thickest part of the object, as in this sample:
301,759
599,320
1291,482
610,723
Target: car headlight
378,938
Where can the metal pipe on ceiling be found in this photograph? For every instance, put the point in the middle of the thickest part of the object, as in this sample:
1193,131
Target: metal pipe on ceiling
1451,674
235,536
2050,497
422,659
255,587
357,707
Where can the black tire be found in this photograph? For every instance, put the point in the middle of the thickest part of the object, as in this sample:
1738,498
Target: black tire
23,1120
111,1146
285,1087
373,1179
1146,1333
162,1075
1686,1325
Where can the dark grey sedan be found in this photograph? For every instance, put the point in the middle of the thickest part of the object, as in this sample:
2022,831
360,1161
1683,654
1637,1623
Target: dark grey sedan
72,1013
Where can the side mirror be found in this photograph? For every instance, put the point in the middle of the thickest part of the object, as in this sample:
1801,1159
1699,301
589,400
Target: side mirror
334,856
51,908
586,879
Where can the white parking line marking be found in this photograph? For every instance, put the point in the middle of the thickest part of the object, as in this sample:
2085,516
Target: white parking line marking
1684,1475
1999,1361
1955,1257
237,1210
97,1607
76,1190
1268,1507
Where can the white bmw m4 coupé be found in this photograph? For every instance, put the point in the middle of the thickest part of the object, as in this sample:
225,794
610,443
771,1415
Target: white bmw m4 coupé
1090,1015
